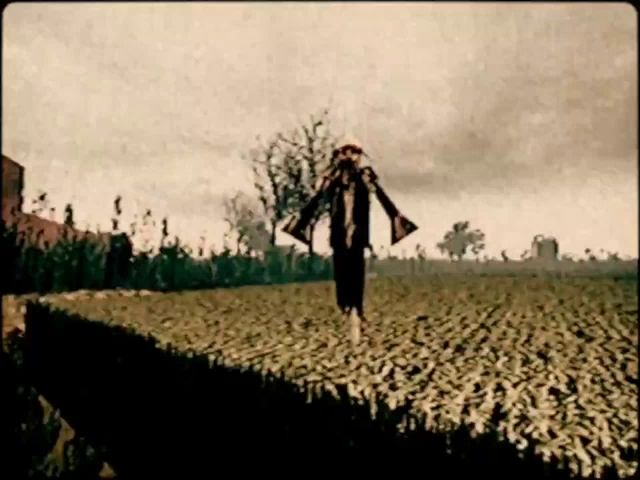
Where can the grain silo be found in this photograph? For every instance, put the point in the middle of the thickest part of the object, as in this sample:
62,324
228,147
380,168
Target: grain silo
544,248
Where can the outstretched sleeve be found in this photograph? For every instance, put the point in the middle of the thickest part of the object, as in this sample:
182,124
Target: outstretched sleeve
400,225
371,179
298,226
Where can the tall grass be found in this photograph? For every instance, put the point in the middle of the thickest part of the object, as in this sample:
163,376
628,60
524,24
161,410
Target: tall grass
76,262
69,264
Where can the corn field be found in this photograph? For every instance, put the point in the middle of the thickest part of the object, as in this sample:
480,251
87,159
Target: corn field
80,264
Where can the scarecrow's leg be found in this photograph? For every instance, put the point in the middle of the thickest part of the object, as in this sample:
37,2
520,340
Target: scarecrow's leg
340,271
355,266
354,320
358,280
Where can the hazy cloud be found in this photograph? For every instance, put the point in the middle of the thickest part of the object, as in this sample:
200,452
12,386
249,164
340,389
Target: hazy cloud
545,102
159,102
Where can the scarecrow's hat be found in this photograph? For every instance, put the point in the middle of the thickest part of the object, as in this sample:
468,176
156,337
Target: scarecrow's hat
349,142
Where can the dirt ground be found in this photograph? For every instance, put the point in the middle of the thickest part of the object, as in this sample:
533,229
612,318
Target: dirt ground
559,355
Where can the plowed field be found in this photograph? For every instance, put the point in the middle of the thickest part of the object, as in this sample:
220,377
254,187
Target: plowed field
548,363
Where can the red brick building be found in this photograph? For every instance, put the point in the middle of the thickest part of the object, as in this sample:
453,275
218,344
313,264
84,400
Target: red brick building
12,185
40,232
37,229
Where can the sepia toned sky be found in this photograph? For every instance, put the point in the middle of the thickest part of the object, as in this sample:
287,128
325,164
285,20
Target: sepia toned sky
521,118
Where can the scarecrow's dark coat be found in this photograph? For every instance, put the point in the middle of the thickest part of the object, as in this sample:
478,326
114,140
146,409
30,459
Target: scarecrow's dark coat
337,187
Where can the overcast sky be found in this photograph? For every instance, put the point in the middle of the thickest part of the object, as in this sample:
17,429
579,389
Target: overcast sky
521,118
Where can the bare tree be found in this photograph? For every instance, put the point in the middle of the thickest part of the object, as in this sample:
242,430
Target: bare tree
269,181
243,217
306,152
287,167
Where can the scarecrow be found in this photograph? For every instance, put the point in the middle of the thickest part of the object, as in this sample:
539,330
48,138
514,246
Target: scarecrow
346,185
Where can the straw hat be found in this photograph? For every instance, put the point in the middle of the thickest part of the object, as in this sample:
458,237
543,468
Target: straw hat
350,142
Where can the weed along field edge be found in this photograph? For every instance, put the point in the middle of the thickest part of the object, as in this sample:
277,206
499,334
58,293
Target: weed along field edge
538,373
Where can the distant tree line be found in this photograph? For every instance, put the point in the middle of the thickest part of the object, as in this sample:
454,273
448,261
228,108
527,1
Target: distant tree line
285,167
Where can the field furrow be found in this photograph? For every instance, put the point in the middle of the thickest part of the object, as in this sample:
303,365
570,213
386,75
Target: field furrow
547,363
